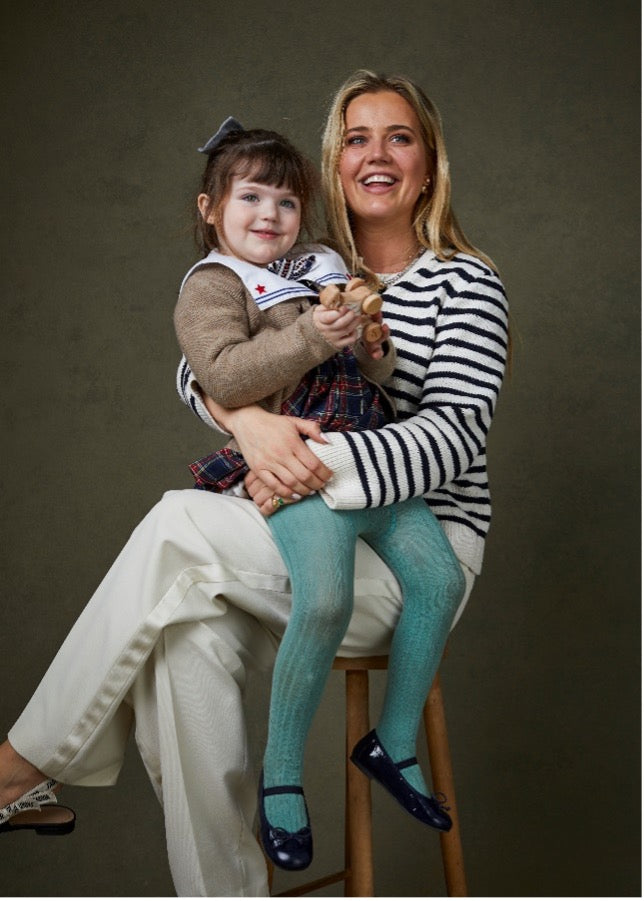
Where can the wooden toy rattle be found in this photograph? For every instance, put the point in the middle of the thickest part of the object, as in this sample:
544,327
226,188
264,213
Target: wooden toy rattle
357,297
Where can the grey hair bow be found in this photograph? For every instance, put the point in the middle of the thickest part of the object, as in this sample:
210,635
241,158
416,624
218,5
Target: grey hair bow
227,126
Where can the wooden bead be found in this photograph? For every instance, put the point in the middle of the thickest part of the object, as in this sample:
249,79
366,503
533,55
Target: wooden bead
372,332
372,304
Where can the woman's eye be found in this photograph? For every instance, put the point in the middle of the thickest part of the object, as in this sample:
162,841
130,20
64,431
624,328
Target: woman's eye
400,139
355,139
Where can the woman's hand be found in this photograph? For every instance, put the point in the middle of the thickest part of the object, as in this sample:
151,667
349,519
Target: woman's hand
264,497
339,327
274,451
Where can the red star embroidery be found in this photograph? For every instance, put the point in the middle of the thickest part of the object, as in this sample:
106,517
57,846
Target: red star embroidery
260,289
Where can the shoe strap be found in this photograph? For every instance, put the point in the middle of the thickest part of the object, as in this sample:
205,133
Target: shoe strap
284,790
32,800
410,761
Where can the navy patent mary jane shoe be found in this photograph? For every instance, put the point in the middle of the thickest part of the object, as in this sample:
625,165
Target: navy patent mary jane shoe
371,758
287,850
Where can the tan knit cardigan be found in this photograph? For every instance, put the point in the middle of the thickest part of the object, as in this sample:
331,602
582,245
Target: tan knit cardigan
240,354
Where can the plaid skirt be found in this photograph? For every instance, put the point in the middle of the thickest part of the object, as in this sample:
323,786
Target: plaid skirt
335,394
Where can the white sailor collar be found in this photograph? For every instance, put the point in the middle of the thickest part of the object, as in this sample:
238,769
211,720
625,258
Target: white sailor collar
321,266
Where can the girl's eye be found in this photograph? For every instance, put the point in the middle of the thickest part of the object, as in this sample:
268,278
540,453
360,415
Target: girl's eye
289,204
250,198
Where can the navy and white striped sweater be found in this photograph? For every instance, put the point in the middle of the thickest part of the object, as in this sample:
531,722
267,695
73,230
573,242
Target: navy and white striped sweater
448,320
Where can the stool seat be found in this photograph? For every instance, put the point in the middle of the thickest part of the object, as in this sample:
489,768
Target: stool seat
357,874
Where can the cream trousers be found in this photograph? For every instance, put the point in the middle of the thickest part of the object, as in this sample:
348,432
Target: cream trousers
196,600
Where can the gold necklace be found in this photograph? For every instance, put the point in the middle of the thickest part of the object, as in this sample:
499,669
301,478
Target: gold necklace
389,278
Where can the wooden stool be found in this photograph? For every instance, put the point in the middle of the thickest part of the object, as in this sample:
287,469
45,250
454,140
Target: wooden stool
358,869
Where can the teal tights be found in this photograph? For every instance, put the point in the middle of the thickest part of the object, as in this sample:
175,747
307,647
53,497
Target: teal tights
318,547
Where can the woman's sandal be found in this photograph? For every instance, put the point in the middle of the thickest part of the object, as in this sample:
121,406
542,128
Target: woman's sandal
38,809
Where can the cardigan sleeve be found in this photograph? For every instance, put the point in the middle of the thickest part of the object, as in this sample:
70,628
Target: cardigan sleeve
230,363
377,371
189,390
438,442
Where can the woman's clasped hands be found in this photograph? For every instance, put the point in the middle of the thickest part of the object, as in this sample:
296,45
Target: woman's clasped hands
281,464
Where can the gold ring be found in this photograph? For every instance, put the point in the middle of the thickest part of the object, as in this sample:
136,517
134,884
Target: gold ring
278,501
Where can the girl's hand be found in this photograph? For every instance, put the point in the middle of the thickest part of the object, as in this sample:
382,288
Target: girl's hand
339,327
375,349
274,451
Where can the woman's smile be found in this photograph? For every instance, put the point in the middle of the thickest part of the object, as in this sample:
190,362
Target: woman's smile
379,182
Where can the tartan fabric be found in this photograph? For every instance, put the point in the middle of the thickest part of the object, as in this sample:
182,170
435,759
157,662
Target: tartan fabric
335,394
219,470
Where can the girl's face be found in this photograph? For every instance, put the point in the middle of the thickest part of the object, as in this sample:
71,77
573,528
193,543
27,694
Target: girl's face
256,223
383,163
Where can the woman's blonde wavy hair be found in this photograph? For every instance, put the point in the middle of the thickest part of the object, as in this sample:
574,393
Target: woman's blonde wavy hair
434,221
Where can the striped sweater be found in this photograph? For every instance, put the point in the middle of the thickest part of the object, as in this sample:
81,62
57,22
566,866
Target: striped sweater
448,321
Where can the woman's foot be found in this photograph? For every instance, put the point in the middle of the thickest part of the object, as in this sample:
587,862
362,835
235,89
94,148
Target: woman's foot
17,775
37,809
27,799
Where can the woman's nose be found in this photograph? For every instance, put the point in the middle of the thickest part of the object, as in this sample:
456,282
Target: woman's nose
379,150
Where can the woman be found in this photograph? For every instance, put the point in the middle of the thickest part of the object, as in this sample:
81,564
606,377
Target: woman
199,594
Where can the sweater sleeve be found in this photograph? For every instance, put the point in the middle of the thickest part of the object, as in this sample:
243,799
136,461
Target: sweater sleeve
438,442
190,393
377,371
229,363
189,390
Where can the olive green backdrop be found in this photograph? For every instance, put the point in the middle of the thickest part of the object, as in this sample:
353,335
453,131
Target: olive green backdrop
104,106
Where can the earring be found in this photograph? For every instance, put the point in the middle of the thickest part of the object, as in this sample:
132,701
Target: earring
425,186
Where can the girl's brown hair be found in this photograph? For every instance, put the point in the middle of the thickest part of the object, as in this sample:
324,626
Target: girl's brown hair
269,159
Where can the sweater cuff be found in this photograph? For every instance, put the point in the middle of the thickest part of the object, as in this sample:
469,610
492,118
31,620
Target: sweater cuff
343,491
202,411
191,395
377,371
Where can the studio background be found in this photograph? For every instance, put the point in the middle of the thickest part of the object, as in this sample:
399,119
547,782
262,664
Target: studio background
104,107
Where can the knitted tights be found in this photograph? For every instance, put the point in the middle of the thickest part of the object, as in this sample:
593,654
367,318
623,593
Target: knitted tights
318,547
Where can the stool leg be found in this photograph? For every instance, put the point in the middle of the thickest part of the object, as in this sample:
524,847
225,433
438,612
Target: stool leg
443,780
358,843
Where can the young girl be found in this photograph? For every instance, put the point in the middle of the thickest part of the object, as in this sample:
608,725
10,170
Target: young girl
251,331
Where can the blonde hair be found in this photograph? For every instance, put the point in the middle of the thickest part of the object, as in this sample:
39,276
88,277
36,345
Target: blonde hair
434,222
